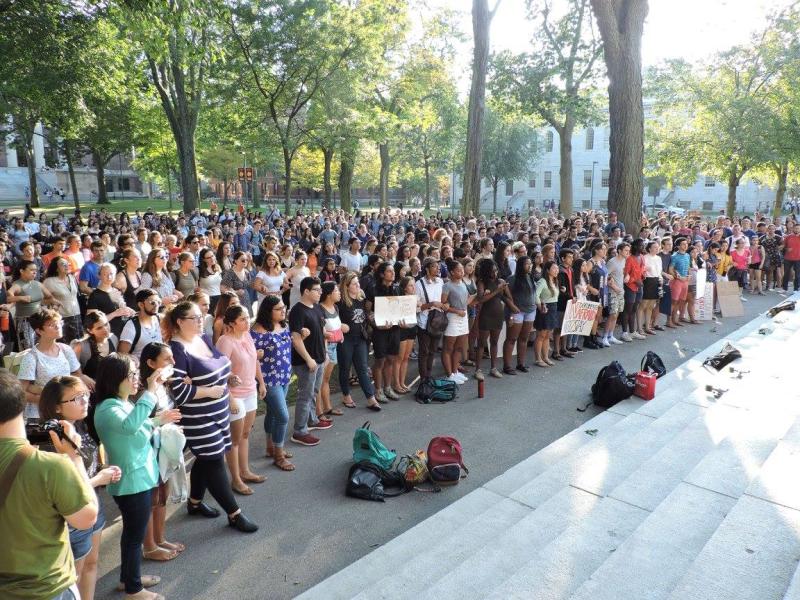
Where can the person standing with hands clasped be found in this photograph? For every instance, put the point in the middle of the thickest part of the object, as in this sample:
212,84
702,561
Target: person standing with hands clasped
306,324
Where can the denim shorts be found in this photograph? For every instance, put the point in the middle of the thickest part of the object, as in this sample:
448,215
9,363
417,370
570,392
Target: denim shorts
332,354
80,540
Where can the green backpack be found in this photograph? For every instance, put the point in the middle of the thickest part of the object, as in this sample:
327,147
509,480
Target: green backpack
367,446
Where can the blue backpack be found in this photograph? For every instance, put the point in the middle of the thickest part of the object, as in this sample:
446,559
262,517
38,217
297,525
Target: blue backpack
367,446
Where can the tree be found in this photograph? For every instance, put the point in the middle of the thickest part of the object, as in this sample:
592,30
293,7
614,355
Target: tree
481,20
621,23
556,80
509,149
179,40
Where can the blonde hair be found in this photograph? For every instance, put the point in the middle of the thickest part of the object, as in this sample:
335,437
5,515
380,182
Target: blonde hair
346,281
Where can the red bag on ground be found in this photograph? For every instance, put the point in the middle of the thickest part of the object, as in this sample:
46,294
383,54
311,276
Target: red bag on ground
445,461
645,385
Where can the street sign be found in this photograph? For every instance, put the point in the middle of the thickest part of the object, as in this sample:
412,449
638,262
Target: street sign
248,173
241,172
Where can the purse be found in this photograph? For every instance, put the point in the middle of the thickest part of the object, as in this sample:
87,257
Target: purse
437,319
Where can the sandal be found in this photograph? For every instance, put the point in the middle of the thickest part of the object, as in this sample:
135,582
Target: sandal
147,581
350,404
245,491
176,546
336,412
271,453
540,363
283,464
253,478
159,554
322,417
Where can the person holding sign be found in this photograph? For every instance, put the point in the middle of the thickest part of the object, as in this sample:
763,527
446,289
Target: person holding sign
385,338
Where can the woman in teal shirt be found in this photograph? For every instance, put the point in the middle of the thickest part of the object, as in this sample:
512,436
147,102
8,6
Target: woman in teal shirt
125,429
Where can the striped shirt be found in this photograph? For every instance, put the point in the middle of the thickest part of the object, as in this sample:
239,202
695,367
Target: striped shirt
205,421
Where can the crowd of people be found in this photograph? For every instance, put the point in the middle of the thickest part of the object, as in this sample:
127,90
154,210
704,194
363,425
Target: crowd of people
136,336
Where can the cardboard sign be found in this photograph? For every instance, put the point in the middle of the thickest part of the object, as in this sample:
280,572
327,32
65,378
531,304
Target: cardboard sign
579,317
704,305
700,290
728,297
394,310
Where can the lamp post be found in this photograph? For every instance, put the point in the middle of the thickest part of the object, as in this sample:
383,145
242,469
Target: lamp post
591,192
245,194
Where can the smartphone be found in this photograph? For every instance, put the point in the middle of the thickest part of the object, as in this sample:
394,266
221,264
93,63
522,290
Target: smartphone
167,372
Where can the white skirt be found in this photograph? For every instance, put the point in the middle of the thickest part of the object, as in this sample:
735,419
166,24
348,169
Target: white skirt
456,325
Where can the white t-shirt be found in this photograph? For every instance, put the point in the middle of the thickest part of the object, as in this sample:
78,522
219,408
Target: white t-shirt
434,290
39,368
350,261
147,335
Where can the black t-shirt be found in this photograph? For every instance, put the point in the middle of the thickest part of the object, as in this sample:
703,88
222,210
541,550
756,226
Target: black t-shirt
312,319
354,316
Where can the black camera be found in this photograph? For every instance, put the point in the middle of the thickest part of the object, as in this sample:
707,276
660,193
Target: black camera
39,433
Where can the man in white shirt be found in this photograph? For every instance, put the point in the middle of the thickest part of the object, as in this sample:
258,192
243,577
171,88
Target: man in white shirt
351,260
144,327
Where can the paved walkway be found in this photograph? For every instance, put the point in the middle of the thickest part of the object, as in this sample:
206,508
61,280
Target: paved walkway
310,530
687,496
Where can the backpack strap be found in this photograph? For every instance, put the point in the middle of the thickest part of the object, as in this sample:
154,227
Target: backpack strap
10,474
137,332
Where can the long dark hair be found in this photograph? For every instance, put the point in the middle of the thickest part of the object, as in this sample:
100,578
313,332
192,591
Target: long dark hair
111,372
483,273
546,274
150,352
52,394
522,280
264,316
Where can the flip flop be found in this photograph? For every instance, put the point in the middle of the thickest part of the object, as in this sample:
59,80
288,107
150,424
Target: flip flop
243,492
336,412
254,479
176,546
159,554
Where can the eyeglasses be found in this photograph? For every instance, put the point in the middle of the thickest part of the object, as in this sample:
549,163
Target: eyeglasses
133,375
316,290
83,398
195,318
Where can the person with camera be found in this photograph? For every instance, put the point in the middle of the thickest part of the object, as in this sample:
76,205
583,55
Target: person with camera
39,493
126,430
66,398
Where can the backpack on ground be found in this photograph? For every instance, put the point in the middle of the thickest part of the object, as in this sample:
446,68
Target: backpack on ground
367,446
445,461
414,468
612,386
652,362
435,390
368,481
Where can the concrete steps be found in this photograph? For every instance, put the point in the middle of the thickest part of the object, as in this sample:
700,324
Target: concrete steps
684,497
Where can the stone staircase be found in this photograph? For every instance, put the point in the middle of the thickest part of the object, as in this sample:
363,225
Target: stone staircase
685,497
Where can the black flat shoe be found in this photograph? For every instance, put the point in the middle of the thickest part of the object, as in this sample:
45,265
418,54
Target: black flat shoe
201,509
242,523
522,368
375,407
509,371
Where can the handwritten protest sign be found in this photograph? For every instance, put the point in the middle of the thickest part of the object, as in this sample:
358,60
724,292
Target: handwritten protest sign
579,317
394,310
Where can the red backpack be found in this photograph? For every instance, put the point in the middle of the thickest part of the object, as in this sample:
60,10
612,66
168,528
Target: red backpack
445,461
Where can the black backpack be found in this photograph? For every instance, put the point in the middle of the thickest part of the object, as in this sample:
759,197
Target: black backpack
435,390
652,362
612,386
368,481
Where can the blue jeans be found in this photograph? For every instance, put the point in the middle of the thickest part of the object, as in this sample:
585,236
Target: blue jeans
135,510
277,420
354,351
308,385
789,265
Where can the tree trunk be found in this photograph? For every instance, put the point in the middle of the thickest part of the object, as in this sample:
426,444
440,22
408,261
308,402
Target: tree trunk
224,191
100,173
481,19
385,164
427,184
327,155
71,170
287,181
733,183
782,171
621,23
32,183
190,185
495,183
565,171
346,168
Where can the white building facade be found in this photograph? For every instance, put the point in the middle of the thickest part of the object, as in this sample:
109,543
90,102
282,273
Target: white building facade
590,180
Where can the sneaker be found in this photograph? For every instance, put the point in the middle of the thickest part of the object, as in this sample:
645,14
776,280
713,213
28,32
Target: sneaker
321,425
496,374
614,340
461,378
305,439
638,336
479,375
626,337
389,393
455,379
605,343
413,355
579,349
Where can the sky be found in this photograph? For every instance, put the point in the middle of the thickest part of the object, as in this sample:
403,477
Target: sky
690,29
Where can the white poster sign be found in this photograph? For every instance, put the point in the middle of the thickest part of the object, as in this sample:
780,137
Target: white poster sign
579,317
394,310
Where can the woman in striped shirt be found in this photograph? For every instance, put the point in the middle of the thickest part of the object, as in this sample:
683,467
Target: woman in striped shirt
200,390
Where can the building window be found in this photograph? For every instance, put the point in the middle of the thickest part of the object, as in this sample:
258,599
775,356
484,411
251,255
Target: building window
532,182
509,187
711,182
606,178
110,184
708,206
548,142
607,138
125,184
590,138
587,179
548,179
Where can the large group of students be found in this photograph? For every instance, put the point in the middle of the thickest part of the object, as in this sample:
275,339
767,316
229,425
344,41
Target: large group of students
134,337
